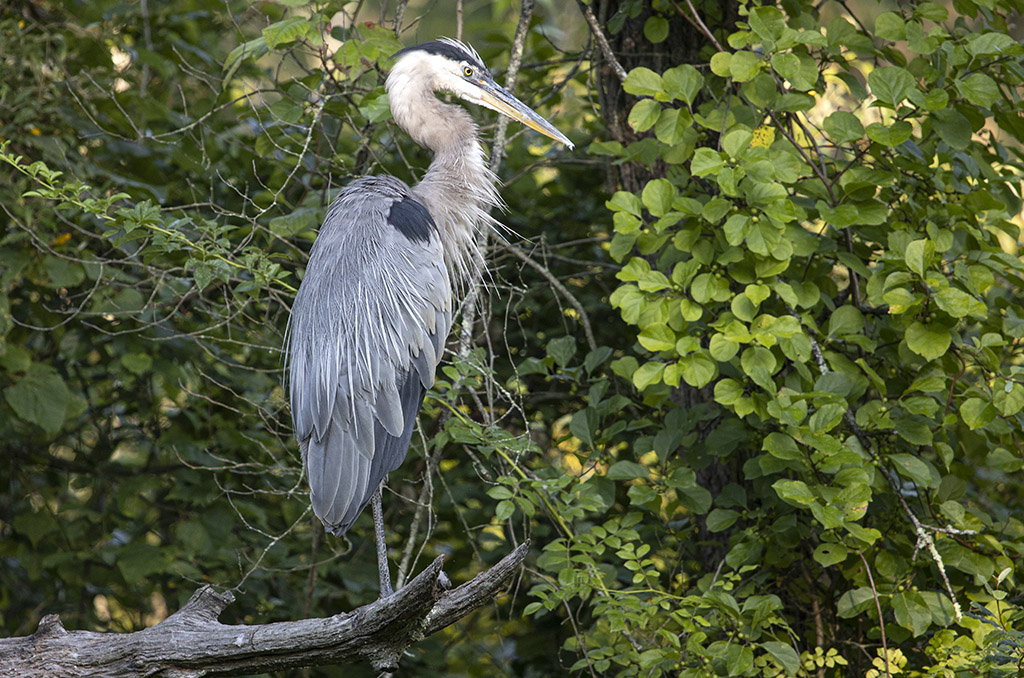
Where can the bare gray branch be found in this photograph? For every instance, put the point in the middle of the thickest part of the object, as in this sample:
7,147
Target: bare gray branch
192,642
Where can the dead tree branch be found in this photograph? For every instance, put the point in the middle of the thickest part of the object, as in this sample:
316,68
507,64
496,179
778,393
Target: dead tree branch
192,642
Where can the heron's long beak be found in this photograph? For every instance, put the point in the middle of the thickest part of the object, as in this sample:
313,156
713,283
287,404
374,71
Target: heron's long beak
497,98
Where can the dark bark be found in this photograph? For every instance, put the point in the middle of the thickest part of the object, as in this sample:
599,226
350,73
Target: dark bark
192,642
633,49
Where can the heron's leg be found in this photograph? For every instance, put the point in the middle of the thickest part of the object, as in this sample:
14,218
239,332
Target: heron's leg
382,548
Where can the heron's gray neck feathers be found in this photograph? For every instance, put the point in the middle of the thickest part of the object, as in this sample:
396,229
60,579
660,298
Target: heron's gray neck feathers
458,189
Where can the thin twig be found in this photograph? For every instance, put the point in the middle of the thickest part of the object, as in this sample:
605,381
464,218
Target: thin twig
602,42
703,27
562,289
878,607
459,10
400,16
514,62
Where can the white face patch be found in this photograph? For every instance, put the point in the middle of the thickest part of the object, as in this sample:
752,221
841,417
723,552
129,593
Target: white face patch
441,73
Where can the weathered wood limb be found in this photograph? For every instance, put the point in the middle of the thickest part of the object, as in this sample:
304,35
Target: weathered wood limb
192,642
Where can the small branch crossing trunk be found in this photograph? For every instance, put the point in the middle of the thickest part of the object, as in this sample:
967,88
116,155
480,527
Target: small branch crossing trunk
192,642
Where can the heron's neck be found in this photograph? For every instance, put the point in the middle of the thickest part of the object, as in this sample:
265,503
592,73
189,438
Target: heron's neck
458,189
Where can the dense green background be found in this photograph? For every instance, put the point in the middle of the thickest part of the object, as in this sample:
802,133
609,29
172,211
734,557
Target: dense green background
747,369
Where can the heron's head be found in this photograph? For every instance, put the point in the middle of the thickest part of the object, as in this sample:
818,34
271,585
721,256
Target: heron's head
448,65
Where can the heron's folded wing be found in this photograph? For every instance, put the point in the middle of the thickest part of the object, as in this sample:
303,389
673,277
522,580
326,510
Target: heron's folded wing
365,337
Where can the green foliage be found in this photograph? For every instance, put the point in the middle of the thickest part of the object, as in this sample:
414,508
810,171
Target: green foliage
786,442
833,270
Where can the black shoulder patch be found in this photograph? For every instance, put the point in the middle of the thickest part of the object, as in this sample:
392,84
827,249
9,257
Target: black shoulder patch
412,219
447,50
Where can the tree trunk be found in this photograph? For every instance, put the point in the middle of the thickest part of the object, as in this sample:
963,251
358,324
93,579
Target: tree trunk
632,49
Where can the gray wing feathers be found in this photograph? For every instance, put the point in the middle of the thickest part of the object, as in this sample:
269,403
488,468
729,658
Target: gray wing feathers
367,331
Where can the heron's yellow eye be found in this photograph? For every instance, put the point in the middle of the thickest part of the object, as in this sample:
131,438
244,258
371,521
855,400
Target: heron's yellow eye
467,71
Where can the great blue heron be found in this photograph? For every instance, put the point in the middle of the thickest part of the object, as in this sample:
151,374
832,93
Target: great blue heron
370,320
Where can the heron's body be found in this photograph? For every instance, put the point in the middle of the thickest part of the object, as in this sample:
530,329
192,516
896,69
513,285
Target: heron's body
372,314
366,338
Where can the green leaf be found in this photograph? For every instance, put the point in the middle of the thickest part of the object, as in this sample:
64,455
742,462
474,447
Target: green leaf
296,221
890,26
933,12
626,202
891,84
785,655
698,369
721,519
40,397
918,255
990,44
504,510
736,141
643,82
893,135
500,492
979,89
794,492
683,82
728,391
658,195
138,560
854,602
929,341
706,161
286,30
977,412
656,29
952,127
648,373
562,350
781,446
739,658
251,49
722,348
785,64
644,114
627,470
673,125
596,357
695,498
137,363
912,468
828,554
374,107
958,303
845,320
744,66
720,64
584,425
1009,400
911,612
767,22
657,338
62,273
35,525
843,127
